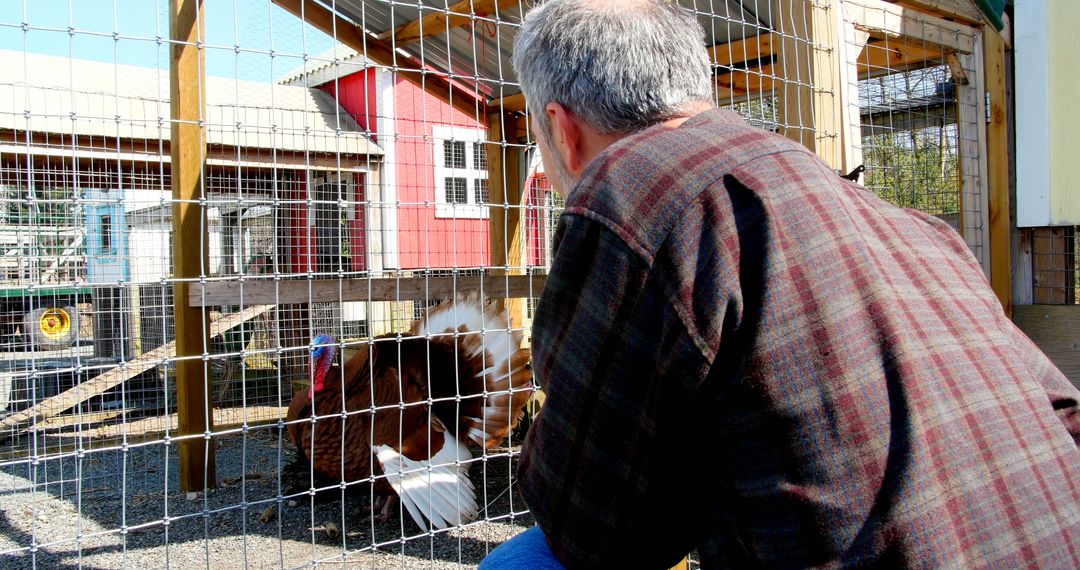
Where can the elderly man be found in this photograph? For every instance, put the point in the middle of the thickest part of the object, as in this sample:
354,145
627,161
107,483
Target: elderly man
745,355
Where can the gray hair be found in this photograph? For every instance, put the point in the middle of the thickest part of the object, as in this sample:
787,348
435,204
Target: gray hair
619,66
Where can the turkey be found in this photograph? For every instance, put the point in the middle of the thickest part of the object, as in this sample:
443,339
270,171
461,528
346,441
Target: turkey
412,403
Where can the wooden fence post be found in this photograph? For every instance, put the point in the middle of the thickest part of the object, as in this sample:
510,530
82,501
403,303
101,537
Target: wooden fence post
188,152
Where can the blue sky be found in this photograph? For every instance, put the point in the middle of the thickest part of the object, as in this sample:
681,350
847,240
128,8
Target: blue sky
255,25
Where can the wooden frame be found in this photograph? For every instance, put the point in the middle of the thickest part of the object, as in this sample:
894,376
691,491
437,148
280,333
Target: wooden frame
997,159
960,10
881,19
255,293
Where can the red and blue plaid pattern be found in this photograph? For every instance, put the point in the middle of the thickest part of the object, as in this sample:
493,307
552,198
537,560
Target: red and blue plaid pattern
745,354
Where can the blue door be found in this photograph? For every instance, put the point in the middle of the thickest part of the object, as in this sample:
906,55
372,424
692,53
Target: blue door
106,238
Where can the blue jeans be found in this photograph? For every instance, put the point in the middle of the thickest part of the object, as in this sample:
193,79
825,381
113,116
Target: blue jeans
526,551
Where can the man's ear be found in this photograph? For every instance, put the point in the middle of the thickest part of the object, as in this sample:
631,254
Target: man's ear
566,135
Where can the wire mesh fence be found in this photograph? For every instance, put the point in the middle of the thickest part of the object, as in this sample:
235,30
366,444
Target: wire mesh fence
361,161
1055,266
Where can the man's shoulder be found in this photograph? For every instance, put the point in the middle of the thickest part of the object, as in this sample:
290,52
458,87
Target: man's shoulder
640,187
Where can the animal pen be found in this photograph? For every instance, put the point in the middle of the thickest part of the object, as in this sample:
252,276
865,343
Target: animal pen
173,240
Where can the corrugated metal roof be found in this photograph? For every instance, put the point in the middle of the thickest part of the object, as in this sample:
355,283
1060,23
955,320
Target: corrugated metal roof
334,63
478,55
43,93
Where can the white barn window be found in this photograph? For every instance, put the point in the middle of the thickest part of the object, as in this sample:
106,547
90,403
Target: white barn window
461,185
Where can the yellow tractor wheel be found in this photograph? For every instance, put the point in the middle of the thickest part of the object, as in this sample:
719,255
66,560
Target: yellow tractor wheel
52,328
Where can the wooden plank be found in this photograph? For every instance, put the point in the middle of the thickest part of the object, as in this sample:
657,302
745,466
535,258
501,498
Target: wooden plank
512,103
1023,279
439,21
890,55
744,67
883,20
99,384
828,90
61,422
997,159
187,80
1056,330
227,418
762,46
507,224
381,52
224,293
959,10
794,82
743,82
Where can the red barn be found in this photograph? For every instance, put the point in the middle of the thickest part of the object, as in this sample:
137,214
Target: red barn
434,200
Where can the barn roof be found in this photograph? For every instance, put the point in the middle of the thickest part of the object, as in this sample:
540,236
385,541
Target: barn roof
50,94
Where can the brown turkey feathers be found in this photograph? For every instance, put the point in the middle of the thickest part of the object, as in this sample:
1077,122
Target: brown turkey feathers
459,374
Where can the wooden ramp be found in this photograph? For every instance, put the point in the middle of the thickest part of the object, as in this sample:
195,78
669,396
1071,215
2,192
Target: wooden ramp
224,419
67,434
98,385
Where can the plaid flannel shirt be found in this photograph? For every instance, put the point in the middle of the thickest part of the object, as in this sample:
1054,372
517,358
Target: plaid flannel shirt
745,354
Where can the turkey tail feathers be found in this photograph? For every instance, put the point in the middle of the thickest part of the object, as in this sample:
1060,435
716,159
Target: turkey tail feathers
438,490
504,380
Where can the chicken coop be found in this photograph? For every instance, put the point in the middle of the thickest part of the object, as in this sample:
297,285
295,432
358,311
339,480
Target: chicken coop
203,201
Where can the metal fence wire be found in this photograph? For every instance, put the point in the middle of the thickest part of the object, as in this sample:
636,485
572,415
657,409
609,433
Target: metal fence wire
360,162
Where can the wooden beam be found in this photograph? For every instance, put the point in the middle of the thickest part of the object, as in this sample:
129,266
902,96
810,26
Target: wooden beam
1056,330
883,20
1023,279
997,159
509,104
224,293
794,82
887,56
439,21
958,10
187,79
435,83
507,224
743,82
230,418
747,49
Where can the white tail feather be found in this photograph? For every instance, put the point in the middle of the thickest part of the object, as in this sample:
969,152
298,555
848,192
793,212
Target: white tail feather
500,347
438,490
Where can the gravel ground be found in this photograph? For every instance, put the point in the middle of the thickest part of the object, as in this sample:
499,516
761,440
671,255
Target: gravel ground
109,510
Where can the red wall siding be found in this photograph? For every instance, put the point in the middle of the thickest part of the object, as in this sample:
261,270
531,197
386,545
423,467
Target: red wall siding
299,241
536,248
424,240
356,94
357,235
